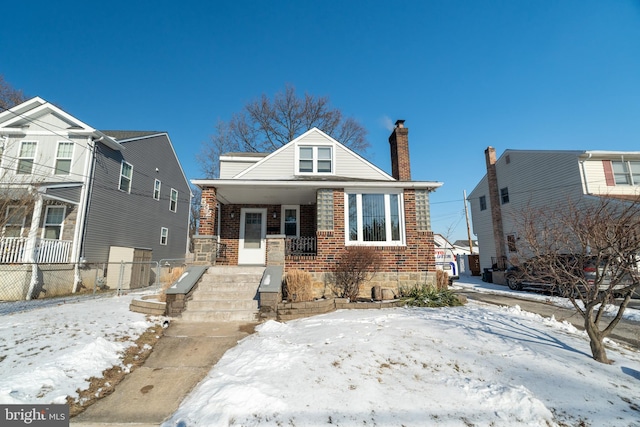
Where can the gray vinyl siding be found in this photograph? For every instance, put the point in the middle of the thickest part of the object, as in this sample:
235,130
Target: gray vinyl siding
135,219
71,194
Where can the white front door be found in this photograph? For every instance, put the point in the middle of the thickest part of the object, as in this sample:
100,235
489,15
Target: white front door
253,233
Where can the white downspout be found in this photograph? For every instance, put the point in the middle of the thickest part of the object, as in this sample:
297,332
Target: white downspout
82,214
584,174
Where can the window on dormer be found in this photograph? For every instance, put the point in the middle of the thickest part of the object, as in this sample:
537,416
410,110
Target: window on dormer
315,159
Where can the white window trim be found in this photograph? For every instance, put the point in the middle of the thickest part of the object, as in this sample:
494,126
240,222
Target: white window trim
159,185
388,242
55,161
627,172
45,223
129,178
164,236
315,159
171,200
33,159
7,215
282,212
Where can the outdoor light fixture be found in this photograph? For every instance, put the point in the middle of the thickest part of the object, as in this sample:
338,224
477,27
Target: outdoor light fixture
275,214
232,215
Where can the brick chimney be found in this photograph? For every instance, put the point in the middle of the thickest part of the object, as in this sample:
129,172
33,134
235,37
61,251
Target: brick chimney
494,199
399,141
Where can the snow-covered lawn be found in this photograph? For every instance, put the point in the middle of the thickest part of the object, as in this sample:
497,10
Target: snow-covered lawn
474,365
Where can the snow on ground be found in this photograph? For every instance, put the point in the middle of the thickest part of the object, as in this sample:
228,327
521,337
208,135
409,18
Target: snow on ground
46,354
471,365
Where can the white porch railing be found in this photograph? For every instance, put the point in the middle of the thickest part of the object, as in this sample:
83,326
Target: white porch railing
12,250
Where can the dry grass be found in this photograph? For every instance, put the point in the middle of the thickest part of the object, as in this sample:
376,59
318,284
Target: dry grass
442,280
298,286
167,279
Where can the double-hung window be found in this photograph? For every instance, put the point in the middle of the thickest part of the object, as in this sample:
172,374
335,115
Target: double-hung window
126,174
156,189
173,201
483,203
164,235
14,221
63,158
53,219
26,157
626,173
504,195
374,218
315,159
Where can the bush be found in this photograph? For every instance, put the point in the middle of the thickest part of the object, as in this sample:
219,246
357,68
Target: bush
357,265
297,286
429,296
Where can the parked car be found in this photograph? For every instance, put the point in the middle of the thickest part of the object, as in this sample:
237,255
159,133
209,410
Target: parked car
537,274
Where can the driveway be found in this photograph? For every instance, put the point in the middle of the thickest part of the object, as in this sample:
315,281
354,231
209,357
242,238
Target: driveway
627,331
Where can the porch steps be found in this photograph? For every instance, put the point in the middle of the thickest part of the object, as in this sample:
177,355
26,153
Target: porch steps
225,293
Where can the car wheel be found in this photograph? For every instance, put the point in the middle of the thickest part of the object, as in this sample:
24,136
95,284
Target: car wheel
513,284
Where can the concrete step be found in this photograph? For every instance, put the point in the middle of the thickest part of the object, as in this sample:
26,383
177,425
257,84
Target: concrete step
220,316
215,286
223,295
250,305
230,280
224,270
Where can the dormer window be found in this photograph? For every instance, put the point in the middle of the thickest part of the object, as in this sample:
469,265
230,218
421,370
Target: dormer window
315,159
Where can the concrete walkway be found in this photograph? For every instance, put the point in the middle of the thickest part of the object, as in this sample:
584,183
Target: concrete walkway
179,361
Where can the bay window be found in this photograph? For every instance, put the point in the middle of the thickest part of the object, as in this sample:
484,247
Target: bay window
374,218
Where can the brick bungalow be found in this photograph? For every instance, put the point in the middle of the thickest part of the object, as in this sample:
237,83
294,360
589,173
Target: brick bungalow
319,197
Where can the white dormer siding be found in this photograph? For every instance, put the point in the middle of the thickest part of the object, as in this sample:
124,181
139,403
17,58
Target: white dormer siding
234,164
284,163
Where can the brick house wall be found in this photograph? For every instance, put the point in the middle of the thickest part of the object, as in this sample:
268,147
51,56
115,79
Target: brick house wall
401,266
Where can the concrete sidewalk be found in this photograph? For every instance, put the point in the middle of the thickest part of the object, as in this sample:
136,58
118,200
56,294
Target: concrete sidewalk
627,331
178,362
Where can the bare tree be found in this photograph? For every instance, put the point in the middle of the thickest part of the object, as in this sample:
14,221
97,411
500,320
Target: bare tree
9,97
194,215
265,125
590,253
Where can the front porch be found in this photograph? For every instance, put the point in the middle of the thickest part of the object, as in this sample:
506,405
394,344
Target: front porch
15,250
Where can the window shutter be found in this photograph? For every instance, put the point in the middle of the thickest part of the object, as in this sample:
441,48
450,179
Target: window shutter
608,173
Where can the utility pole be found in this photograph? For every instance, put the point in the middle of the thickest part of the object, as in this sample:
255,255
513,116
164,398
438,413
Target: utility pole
466,213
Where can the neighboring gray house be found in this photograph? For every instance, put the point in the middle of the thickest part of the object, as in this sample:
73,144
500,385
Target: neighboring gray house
92,190
520,179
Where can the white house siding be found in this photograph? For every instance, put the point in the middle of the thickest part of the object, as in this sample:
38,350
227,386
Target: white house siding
596,181
282,163
535,179
279,165
45,157
481,222
229,169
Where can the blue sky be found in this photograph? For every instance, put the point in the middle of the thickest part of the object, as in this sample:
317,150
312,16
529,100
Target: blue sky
525,74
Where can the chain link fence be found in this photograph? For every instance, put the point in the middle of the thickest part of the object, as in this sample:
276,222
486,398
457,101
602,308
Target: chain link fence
26,286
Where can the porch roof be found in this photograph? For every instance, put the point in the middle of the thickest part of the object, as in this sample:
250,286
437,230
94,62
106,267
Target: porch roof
295,192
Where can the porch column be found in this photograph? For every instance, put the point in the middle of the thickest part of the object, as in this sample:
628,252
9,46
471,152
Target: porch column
208,202
30,250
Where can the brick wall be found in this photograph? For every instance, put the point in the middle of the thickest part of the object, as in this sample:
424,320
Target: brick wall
401,266
208,203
